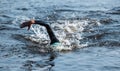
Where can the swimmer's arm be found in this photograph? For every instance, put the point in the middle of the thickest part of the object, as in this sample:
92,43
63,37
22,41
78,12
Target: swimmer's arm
41,23
51,34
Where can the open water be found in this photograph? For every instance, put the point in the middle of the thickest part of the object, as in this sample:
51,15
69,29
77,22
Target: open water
92,27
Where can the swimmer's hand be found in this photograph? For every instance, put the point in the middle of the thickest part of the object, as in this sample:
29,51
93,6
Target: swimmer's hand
27,24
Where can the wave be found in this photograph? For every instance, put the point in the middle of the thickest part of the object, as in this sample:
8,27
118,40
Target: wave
115,10
69,32
72,33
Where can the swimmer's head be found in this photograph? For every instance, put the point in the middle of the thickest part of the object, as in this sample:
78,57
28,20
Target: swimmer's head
27,24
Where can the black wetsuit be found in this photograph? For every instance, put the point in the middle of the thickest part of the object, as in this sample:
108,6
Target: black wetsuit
49,30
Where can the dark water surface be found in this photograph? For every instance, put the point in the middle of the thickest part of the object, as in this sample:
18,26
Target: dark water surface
100,33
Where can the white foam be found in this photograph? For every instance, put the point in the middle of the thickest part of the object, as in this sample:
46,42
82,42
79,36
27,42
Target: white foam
39,31
69,33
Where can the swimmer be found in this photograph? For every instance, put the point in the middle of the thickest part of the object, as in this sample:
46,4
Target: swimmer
55,43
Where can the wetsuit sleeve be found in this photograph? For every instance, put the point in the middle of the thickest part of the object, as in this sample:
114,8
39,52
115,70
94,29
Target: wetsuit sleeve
41,23
50,32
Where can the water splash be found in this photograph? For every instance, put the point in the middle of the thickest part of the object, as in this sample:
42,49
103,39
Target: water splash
69,32
40,31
